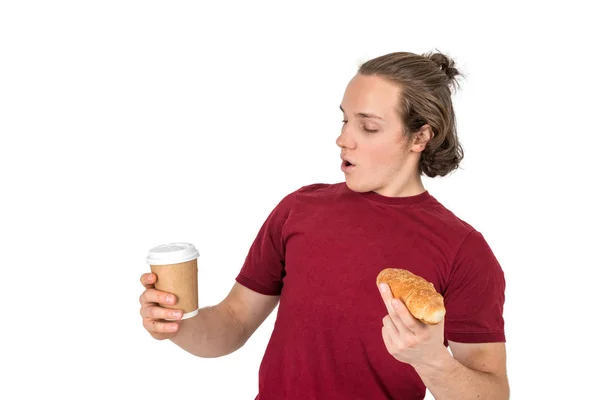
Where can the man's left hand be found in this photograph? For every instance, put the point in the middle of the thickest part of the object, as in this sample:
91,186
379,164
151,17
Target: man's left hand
406,338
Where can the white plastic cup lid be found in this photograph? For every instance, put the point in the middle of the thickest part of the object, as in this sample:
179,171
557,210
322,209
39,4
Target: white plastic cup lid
172,253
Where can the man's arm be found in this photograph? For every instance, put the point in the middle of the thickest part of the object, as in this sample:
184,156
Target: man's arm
477,371
222,329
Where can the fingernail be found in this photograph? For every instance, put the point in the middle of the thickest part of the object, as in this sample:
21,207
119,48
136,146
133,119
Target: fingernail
396,303
176,314
170,299
383,287
172,327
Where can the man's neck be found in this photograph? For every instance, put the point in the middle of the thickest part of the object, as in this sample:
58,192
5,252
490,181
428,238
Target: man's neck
403,186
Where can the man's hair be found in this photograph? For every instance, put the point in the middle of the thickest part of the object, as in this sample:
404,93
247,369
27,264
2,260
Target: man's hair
425,83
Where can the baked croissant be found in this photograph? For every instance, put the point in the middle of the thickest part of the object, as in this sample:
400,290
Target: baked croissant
418,294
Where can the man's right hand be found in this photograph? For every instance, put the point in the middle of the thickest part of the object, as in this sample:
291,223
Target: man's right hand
153,315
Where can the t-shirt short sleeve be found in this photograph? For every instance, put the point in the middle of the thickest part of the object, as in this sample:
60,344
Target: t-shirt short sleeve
264,267
474,298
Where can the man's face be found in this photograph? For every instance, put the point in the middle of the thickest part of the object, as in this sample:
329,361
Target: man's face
372,138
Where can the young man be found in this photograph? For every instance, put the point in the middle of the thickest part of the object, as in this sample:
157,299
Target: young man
338,336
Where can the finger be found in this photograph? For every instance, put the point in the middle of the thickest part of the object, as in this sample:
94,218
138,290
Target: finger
156,296
387,339
148,280
390,326
155,312
386,295
160,327
388,299
161,336
403,316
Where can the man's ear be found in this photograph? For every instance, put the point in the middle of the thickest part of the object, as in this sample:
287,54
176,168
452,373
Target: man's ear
421,138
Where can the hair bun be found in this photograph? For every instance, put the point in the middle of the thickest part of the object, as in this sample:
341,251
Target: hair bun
446,64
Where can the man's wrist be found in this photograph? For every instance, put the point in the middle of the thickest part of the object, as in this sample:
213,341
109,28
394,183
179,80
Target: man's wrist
443,361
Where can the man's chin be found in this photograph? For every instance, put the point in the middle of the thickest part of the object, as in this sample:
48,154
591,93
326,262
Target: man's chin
359,187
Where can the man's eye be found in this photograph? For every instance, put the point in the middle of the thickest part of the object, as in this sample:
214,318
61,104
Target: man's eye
344,121
370,130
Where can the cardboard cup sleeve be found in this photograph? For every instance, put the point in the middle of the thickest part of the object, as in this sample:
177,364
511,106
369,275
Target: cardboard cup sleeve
176,269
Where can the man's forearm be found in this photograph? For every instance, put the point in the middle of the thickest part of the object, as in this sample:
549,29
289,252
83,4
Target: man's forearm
214,332
451,380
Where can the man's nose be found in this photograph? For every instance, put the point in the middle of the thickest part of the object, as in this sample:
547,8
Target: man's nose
345,139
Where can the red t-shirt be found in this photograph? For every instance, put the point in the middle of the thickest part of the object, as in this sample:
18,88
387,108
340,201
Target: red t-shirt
321,249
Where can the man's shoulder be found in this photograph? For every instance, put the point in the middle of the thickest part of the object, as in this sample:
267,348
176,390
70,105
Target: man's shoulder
454,224
309,193
320,189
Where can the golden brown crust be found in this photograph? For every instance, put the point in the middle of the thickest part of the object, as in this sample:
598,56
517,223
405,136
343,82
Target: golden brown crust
418,294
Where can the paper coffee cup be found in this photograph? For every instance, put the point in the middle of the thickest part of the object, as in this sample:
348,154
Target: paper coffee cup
176,269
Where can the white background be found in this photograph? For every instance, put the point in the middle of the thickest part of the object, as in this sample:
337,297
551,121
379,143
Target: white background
128,124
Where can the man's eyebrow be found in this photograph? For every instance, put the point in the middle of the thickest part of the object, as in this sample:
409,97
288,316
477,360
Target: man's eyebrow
363,115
